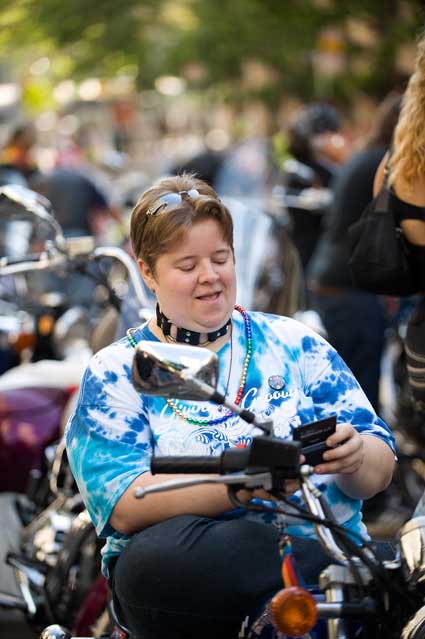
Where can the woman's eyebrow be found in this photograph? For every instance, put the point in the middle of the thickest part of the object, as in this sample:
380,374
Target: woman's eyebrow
183,258
221,252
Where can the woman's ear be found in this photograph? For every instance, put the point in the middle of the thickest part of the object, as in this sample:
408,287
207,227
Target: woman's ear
146,274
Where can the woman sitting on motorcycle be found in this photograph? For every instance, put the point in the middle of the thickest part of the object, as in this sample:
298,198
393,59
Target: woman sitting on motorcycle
185,563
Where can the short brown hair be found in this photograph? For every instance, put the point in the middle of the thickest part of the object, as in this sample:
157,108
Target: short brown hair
153,235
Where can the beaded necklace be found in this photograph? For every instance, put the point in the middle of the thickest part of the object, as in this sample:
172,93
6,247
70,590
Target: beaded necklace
239,396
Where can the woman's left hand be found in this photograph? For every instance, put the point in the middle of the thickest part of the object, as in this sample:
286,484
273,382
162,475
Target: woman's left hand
347,454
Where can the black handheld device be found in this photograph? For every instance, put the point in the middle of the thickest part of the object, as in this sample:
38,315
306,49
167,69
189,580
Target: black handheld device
313,438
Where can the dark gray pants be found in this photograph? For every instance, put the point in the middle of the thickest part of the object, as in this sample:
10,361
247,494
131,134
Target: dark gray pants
199,577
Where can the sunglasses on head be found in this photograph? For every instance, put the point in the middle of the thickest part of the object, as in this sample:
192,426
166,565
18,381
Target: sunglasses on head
170,200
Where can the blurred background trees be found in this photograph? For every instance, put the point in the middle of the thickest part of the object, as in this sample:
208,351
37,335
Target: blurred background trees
235,53
263,46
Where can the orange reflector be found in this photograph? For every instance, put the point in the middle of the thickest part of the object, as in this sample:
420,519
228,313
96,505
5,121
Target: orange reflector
45,324
294,611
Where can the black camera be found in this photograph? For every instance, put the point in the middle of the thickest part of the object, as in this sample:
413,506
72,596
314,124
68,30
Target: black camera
313,438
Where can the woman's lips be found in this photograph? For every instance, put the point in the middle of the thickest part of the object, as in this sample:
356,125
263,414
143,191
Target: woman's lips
210,297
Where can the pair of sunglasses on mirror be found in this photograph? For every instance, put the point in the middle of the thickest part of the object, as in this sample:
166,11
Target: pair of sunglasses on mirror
170,200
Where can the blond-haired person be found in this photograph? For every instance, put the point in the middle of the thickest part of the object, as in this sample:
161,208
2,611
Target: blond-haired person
406,176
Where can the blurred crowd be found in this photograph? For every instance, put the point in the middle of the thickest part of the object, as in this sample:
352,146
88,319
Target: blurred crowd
314,176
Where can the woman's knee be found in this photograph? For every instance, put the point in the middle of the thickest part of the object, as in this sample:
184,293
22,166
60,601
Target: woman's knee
200,556
145,560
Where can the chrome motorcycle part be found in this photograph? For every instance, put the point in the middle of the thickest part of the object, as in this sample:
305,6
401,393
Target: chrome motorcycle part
18,203
415,627
55,632
412,551
186,372
332,582
170,371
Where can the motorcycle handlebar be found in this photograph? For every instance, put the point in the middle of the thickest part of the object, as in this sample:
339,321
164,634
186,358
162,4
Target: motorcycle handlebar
40,262
11,261
230,461
185,465
132,270
49,260
266,464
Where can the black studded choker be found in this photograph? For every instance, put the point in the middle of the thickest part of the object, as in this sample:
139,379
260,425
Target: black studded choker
184,335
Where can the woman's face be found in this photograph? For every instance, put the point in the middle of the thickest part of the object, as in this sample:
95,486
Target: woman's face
195,282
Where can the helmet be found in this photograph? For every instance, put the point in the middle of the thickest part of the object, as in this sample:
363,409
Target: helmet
312,120
316,118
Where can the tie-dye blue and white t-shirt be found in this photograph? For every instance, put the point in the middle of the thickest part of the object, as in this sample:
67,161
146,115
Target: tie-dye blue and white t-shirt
294,377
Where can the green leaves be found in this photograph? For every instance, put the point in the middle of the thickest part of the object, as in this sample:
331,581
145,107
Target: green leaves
256,47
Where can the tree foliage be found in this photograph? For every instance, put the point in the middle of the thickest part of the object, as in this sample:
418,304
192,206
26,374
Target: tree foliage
216,36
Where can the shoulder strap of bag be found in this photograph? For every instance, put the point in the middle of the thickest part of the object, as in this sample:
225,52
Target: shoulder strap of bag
382,198
387,167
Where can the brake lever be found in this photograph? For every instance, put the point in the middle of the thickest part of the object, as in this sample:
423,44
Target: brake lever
244,480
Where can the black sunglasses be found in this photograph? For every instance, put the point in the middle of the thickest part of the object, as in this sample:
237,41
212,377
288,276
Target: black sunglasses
170,200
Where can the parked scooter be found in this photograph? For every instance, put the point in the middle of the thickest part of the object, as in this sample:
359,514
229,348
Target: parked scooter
359,595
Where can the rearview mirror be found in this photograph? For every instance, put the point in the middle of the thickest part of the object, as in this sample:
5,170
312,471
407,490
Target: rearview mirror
26,222
175,371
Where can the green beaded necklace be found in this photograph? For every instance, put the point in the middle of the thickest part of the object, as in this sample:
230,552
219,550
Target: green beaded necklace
239,396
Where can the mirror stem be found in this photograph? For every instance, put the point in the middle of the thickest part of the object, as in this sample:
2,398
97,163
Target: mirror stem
246,415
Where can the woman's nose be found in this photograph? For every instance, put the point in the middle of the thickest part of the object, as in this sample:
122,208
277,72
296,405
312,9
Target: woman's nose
208,272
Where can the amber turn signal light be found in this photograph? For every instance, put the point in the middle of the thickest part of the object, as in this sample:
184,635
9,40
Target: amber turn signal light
294,611
45,324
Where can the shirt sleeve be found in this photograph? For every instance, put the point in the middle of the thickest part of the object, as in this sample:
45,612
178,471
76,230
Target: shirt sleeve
108,438
335,391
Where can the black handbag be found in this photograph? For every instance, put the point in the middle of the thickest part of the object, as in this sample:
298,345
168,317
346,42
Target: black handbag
379,254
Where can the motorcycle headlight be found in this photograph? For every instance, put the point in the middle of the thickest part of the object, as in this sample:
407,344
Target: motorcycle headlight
415,627
412,551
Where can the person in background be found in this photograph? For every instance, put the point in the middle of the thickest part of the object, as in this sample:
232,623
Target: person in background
406,177
184,564
206,164
77,204
18,151
316,140
76,199
355,321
